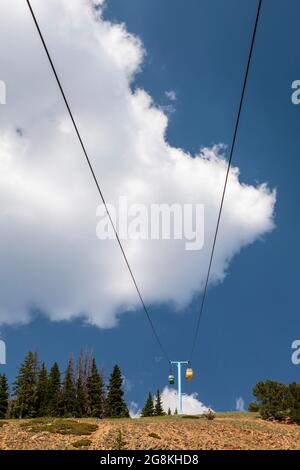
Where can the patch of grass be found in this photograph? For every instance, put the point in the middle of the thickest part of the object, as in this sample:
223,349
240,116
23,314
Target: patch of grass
37,420
154,435
60,426
254,425
82,443
119,443
236,414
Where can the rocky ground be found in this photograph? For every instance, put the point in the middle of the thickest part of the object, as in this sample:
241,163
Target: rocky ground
226,431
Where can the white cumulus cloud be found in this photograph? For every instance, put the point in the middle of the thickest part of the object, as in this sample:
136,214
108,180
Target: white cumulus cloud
240,404
50,256
171,95
190,403
134,410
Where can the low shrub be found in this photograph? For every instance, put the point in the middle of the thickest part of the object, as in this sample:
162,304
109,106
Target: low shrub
210,415
82,443
119,443
253,407
60,426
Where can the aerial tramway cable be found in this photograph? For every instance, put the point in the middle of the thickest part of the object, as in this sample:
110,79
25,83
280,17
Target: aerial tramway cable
226,179
96,181
190,373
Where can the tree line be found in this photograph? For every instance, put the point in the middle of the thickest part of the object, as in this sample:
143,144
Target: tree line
78,392
154,407
277,401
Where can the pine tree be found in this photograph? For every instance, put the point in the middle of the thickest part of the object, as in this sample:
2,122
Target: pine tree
42,391
69,391
115,406
80,405
81,396
148,409
169,412
12,409
158,409
176,411
54,391
96,393
4,396
25,387
86,360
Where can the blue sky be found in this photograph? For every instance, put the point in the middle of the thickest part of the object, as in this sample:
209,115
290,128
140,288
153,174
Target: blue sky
198,49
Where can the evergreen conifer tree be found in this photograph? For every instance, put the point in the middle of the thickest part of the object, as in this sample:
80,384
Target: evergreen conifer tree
148,409
115,406
42,391
69,391
4,396
85,361
81,396
25,387
158,409
80,405
96,393
54,391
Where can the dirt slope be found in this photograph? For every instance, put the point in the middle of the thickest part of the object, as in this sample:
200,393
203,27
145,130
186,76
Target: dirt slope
227,431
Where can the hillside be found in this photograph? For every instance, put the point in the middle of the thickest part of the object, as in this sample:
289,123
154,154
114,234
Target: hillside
227,431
